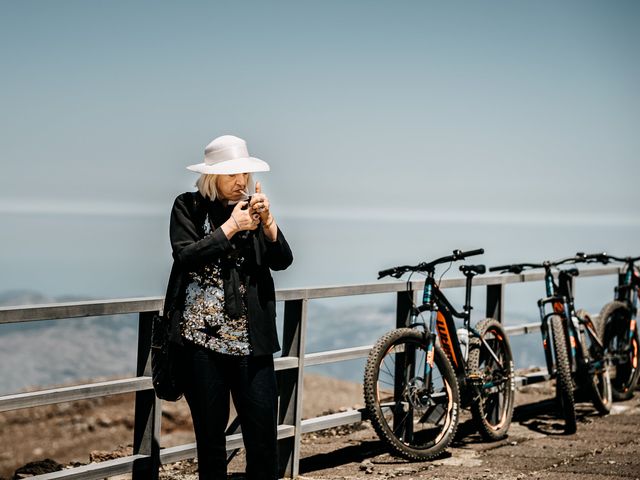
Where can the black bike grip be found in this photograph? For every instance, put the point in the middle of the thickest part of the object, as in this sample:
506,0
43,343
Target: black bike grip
471,253
501,267
384,273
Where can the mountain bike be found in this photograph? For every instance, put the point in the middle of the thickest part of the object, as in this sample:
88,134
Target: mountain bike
414,387
573,350
618,328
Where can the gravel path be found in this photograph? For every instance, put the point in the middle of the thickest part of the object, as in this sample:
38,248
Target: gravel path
604,448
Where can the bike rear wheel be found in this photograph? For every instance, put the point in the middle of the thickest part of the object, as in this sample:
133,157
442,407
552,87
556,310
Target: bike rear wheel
564,382
493,409
619,334
597,375
415,416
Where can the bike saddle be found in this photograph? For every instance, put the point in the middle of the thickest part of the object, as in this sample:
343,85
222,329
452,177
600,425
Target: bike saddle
467,269
574,272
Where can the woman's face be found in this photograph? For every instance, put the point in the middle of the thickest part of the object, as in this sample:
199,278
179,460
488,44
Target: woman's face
232,187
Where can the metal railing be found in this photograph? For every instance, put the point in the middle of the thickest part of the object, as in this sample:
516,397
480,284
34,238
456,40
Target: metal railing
147,454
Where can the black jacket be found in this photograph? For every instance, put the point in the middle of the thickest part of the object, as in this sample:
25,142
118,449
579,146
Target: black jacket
191,251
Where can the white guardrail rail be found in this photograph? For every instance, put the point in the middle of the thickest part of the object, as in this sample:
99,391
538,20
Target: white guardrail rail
148,456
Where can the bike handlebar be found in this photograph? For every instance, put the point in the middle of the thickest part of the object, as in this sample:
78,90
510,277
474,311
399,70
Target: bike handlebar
472,253
519,267
579,257
516,267
457,255
573,259
397,272
394,272
601,257
605,258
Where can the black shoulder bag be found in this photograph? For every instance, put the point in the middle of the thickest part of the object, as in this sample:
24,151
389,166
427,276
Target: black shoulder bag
167,355
167,360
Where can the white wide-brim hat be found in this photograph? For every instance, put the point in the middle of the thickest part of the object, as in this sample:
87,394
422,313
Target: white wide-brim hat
228,155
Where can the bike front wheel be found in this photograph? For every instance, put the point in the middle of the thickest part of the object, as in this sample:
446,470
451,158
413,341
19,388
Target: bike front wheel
493,408
564,382
619,335
413,409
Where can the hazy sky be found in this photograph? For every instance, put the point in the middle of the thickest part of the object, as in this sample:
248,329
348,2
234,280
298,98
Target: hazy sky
492,109
520,116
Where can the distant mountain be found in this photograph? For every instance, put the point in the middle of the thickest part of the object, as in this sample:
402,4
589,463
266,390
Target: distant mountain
31,297
61,351
23,297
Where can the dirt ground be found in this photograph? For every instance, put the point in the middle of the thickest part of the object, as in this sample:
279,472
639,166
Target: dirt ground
97,429
604,448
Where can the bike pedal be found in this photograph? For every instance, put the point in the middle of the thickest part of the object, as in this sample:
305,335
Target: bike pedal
474,378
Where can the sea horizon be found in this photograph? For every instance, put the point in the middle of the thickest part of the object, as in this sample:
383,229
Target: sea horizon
92,257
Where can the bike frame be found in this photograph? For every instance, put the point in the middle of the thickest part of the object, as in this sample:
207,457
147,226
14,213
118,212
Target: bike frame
628,286
560,298
627,292
442,325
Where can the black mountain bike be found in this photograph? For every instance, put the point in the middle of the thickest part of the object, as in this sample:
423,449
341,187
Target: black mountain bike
618,328
573,350
414,387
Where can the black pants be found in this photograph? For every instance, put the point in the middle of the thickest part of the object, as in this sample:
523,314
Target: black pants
252,383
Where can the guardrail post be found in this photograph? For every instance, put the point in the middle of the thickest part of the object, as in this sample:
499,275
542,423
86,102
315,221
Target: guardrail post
148,409
404,301
290,384
495,303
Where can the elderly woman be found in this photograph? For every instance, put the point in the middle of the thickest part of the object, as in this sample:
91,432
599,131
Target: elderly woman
225,242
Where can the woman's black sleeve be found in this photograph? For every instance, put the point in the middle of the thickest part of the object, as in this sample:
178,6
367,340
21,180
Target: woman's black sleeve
189,250
279,254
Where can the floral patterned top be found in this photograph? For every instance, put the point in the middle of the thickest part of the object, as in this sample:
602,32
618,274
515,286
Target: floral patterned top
205,321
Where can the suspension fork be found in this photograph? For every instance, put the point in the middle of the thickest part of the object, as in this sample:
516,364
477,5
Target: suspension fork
634,311
430,333
544,330
430,337
627,292
573,337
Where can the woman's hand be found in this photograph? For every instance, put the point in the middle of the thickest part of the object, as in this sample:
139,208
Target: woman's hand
242,218
260,204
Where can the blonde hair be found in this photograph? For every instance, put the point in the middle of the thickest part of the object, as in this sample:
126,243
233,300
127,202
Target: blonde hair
206,185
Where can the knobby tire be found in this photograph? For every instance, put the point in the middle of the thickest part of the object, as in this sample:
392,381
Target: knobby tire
410,429
564,382
613,328
492,410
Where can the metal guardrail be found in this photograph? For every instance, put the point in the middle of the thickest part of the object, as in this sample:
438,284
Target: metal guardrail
147,455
